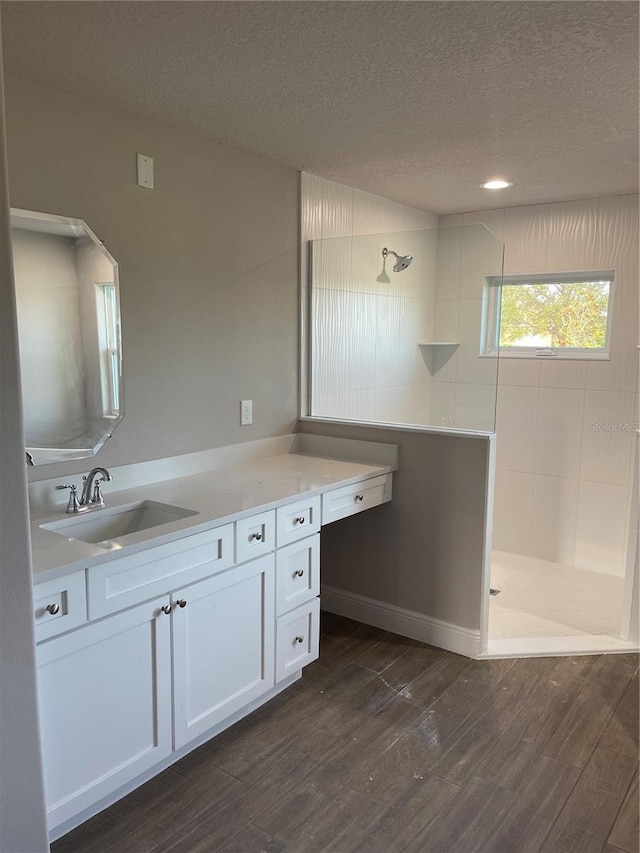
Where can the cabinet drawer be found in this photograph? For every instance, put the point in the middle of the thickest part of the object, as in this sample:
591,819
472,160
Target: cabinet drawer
339,503
297,639
295,521
59,605
297,573
255,536
131,580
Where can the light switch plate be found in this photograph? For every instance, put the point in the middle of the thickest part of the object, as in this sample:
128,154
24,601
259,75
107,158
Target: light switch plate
145,171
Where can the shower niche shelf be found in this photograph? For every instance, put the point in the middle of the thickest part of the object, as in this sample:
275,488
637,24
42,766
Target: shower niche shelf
437,353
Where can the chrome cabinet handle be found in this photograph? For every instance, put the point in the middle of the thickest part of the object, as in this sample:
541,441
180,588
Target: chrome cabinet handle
299,520
299,573
181,602
299,639
53,609
167,608
359,497
256,536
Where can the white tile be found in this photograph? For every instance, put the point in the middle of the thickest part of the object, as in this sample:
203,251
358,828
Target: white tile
621,373
512,511
518,371
555,373
608,437
392,216
617,242
366,213
472,367
412,368
387,341
337,210
553,518
449,265
366,266
311,203
418,220
447,320
515,427
331,264
413,404
387,405
525,238
475,407
481,257
559,432
571,231
443,404
603,511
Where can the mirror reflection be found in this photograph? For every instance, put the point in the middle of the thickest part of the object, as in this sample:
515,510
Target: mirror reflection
69,329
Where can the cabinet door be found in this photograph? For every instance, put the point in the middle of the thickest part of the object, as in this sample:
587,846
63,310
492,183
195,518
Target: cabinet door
223,646
105,706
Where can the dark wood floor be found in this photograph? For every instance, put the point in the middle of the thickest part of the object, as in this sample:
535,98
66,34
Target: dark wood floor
390,745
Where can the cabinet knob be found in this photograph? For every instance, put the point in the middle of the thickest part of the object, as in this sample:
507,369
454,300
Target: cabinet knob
299,573
256,536
166,608
299,639
359,497
299,520
53,609
181,602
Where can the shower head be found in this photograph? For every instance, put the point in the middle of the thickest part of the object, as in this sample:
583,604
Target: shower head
402,261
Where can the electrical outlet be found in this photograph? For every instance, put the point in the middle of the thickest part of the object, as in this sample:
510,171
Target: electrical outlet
246,412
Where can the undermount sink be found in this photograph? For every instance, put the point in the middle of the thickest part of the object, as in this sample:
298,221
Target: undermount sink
105,525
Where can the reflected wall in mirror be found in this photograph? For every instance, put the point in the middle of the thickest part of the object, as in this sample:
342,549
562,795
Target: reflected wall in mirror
68,310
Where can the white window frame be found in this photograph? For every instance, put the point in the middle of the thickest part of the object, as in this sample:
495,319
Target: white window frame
491,317
109,344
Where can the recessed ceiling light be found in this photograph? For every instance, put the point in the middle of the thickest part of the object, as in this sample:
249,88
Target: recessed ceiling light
496,185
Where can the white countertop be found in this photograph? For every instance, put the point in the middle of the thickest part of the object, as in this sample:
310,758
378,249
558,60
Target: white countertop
218,496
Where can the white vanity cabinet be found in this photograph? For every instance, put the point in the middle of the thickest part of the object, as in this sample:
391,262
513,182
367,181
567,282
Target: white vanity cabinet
105,706
148,652
223,646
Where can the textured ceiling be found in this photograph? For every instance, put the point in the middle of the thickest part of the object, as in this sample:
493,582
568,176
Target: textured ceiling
416,101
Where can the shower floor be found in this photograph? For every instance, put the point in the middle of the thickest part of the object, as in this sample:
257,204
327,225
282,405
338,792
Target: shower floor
542,599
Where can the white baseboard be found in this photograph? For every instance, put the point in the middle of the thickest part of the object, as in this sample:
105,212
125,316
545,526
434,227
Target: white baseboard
408,623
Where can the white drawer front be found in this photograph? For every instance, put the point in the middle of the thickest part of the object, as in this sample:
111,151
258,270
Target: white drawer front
297,573
295,521
339,503
297,639
131,580
59,605
255,536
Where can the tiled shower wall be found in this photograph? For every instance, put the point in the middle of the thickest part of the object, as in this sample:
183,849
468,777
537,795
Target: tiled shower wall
563,488
368,330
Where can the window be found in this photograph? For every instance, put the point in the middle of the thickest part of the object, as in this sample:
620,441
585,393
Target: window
108,341
566,315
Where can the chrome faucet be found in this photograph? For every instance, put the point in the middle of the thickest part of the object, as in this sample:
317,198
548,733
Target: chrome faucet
91,497
95,500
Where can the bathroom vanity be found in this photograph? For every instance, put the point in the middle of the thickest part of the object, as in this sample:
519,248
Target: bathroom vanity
154,641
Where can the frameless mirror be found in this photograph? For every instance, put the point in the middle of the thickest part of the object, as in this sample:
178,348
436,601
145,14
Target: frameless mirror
68,311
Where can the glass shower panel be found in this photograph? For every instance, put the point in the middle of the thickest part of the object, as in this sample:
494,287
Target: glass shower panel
396,325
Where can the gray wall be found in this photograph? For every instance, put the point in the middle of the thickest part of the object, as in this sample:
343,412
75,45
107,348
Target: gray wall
424,550
208,267
22,818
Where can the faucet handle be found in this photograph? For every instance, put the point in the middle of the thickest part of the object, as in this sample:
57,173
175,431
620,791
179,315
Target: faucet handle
97,494
72,505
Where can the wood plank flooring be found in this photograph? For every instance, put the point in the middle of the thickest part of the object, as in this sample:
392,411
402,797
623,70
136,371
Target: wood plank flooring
388,745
